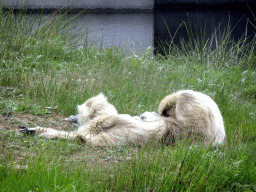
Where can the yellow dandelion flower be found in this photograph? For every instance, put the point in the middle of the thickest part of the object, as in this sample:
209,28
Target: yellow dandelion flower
37,189
42,144
25,141
14,162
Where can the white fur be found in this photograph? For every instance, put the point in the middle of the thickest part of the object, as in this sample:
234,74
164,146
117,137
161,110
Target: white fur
93,107
197,111
101,125
149,116
184,111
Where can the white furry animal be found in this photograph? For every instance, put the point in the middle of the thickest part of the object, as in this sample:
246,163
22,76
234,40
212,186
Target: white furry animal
101,125
173,129
184,112
196,114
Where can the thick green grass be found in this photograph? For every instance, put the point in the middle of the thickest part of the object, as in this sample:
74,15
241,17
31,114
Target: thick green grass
40,68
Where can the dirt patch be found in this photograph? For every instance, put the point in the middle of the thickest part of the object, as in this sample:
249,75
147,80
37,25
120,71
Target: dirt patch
11,124
20,120
17,148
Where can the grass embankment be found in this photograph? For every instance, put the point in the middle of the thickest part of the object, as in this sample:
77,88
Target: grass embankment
40,68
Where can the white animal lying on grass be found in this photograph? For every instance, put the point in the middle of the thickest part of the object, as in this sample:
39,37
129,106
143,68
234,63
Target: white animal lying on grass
196,113
185,113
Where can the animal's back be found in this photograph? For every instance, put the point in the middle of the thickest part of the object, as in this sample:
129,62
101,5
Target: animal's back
197,112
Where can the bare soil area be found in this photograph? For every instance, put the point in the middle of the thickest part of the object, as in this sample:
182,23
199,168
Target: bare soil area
18,120
93,156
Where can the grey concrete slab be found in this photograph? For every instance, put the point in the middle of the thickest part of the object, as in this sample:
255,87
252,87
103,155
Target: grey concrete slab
127,31
34,4
115,4
79,4
130,32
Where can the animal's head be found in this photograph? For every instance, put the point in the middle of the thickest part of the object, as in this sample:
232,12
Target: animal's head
94,107
149,116
167,106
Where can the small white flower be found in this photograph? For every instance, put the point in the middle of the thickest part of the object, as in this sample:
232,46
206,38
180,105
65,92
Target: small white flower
244,72
252,115
160,68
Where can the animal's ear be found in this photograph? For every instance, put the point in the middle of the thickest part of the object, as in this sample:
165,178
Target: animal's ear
81,108
102,96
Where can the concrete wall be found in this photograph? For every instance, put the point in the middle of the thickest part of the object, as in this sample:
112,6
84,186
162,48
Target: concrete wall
127,31
106,4
78,4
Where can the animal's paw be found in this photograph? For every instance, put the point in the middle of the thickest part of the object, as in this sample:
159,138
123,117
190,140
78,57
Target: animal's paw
73,119
28,131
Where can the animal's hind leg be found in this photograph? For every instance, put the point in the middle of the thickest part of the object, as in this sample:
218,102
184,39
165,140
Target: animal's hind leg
48,132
